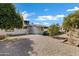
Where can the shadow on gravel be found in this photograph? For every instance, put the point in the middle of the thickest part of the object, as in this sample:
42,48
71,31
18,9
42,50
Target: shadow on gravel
16,47
60,38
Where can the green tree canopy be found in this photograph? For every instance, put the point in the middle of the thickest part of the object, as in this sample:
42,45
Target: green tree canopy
53,29
9,18
71,21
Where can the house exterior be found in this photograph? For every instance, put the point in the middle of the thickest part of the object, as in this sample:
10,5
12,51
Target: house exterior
28,29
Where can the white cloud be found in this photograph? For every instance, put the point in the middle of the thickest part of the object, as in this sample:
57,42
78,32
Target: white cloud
74,9
45,17
49,17
26,15
37,23
59,16
45,23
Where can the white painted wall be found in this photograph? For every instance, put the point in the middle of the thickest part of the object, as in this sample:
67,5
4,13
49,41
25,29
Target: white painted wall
32,30
18,32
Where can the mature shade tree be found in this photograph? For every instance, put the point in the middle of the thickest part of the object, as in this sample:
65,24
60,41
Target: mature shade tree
9,18
70,24
19,23
71,21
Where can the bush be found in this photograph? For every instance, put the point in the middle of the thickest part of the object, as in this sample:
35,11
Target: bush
53,30
45,33
2,37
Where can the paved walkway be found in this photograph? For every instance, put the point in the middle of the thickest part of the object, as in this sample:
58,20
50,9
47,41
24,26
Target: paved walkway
36,45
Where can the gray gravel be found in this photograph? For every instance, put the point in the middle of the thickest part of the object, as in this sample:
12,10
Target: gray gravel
37,45
15,47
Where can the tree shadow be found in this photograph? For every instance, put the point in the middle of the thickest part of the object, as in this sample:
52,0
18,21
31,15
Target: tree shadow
65,39
20,47
59,38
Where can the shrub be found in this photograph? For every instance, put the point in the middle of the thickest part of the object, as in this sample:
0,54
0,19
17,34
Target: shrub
45,33
53,30
2,37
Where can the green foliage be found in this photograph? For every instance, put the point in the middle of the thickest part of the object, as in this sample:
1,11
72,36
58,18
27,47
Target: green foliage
9,19
71,21
45,33
2,37
19,21
53,30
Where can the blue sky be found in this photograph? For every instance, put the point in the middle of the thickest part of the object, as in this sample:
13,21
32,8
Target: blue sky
46,13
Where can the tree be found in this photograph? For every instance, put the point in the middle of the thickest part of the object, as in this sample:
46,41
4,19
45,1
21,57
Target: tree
70,24
53,30
19,21
9,18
